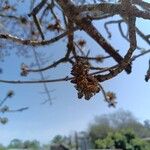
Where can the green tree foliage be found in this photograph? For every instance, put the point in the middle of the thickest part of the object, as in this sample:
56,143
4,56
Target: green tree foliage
2,147
35,145
99,128
45,146
15,143
62,140
58,139
124,139
147,124
116,122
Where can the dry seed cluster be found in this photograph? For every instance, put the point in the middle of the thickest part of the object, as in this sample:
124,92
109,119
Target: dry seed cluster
24,70
86,85
111,98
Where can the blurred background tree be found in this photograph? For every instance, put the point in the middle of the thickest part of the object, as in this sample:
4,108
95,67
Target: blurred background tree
108,124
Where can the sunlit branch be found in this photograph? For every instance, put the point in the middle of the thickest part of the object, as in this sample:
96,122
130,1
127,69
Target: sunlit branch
50,66
33,42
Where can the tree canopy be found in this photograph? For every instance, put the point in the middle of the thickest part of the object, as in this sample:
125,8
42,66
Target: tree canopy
46,22
127,133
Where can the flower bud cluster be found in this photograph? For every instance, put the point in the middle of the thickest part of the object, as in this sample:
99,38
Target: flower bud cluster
86,84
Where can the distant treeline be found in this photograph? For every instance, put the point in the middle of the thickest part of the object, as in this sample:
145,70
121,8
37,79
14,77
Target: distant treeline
120,129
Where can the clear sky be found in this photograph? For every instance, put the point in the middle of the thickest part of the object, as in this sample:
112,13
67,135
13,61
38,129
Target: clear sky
68,114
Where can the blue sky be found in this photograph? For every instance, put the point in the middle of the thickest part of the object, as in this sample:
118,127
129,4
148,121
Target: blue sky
67,113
